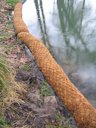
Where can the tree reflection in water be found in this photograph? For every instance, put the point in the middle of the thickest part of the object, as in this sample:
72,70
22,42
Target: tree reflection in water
41,20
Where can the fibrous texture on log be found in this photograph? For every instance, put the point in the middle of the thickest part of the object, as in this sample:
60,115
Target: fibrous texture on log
83,112
19,24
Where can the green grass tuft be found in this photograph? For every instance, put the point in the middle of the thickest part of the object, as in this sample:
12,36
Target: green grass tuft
26,67
3,123
12,2
45,90
4,71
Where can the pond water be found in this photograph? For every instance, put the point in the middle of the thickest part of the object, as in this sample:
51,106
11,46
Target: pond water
68,29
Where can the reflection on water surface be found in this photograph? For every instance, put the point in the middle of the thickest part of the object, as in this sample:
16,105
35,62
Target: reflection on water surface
68,29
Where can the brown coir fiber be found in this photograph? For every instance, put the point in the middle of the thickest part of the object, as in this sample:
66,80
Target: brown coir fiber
82,110
19,24
18,8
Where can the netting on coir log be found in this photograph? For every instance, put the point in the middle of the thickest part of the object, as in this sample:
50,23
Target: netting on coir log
19,24
77,104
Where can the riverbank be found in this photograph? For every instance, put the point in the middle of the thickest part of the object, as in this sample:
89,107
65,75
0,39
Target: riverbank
37,106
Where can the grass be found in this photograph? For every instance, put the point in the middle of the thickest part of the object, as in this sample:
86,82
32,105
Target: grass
60,118
12,2
61,122
45,90
3,38
3,73
3,123
9,25
10,91
26,67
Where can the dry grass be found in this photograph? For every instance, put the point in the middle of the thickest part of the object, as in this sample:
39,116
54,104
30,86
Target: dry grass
10,91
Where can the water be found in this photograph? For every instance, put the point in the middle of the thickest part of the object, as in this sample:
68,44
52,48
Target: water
68,29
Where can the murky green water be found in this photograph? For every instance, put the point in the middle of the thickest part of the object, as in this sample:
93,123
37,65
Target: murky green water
68,28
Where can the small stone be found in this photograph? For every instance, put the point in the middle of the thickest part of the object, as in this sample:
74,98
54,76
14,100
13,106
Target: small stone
12,13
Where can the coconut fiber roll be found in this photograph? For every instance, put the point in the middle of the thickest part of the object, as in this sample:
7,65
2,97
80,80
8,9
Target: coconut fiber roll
19,24
83,112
